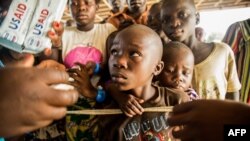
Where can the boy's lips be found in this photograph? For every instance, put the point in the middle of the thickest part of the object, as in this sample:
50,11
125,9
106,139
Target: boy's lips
176,33
118,77
82,16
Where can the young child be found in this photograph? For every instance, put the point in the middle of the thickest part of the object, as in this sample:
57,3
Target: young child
85,33
135,58
178,68
215,75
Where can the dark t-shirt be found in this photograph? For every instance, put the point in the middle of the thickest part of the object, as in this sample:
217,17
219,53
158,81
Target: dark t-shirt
148,126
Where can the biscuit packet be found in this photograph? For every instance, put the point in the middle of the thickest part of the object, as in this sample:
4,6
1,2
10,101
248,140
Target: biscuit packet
46,12
32,35
16,16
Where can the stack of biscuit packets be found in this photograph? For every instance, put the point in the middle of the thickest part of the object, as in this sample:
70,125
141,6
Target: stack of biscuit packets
25,27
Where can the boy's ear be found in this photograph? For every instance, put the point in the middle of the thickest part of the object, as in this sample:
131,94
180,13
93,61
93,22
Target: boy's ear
197,18
158,68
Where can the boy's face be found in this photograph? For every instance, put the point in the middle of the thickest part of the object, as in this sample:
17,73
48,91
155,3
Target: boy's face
178,69
83,11
154,17
136,5
132,60
117,5
178,19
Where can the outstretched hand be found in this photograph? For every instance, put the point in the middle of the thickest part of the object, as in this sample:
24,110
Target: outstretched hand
205,119
27,100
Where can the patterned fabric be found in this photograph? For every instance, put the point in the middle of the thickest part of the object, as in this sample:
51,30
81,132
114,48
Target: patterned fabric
121,18
81,127
192,94
238,37
53,132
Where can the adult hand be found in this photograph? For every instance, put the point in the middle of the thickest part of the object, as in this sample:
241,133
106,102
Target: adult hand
204,119
27,102
51,64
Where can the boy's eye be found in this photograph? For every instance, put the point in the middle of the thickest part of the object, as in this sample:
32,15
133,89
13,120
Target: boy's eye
113,52
74,3
183,14
186,73
165,19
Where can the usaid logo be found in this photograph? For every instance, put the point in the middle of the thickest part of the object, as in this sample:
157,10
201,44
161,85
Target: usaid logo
237,132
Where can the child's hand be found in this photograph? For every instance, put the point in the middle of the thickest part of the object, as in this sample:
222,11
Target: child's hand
55,37
130,105
90,67
82,81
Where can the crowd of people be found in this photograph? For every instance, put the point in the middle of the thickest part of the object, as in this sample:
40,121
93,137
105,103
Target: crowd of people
139,57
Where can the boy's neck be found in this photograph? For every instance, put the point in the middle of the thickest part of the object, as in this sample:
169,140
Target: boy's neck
145,92
87,27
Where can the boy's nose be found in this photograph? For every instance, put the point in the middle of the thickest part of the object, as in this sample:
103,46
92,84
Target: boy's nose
175,22
121,62
178,77
82,6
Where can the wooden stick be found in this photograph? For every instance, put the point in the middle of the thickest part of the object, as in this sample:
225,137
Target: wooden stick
117,111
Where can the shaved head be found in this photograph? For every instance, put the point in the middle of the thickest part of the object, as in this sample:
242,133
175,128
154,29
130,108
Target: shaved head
147,35
176,49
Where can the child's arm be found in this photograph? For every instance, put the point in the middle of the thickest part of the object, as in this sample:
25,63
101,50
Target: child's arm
129,104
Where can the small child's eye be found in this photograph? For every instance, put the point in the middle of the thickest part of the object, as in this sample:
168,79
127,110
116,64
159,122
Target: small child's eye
169,70
186,73
134,54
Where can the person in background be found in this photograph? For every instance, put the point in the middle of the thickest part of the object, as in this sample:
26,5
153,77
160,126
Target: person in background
238,38
200,34
136,12
86,34
215,75
211,115
117,6
154,21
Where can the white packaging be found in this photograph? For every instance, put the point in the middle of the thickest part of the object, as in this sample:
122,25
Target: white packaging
46,12
14,26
